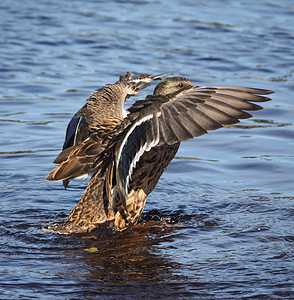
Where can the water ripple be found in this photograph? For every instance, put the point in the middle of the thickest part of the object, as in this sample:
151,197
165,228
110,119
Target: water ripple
220,222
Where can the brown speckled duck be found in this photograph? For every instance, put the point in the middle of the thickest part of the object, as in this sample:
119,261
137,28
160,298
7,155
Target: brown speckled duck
126,154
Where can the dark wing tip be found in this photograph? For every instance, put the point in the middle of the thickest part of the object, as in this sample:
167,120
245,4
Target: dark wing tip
264,92
258,91
65,183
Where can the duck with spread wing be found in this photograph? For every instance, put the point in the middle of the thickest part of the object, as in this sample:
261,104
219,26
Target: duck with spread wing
125,154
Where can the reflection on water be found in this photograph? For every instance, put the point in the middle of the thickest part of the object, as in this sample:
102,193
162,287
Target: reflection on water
127,259
220,222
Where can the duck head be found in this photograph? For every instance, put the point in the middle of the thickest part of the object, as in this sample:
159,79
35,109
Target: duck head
171,85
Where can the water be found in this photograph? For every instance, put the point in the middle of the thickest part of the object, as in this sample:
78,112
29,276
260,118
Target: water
223,211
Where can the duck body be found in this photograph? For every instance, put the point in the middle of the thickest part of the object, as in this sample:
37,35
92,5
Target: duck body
127,155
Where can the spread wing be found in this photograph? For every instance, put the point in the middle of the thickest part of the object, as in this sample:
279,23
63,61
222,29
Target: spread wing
177,117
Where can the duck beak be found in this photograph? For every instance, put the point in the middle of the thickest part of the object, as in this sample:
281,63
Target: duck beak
141,85
160,76
142,81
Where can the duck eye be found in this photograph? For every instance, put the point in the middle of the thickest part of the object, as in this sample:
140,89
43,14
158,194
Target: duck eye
181,85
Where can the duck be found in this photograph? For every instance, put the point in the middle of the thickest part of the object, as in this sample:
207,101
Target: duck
105,103
126,153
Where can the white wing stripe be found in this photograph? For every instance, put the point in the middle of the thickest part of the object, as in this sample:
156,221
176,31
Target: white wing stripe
76,132
145,148
146,118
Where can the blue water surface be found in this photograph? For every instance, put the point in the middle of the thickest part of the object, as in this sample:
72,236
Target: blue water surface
224,205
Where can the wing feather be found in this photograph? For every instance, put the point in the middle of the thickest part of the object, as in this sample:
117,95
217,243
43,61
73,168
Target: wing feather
236,102
169,131
216,114
71,131
180,116
228,109
245,94
247,90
